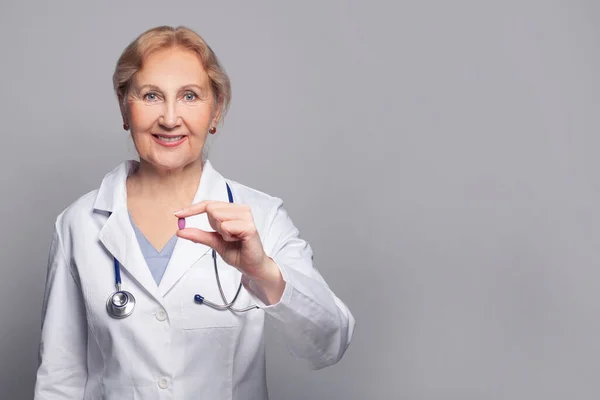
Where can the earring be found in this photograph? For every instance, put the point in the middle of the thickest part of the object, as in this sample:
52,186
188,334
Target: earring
126,126
213,130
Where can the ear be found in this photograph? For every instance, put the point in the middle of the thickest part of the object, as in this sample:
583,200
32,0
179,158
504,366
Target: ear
217,113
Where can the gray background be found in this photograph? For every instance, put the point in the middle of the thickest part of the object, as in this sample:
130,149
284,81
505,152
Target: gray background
440,156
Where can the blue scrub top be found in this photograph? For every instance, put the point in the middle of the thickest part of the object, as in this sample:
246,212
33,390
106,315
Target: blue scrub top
156,260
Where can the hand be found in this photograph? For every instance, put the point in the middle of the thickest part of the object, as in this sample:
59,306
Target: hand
236,238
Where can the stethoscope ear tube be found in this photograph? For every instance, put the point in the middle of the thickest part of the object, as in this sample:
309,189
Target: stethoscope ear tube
199,299
228,305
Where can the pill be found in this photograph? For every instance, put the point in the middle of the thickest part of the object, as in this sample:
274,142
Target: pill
181,223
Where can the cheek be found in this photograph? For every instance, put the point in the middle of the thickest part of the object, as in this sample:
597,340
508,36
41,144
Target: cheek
197,119
143,116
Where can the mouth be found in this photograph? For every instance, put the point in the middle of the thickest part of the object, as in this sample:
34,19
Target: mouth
169,140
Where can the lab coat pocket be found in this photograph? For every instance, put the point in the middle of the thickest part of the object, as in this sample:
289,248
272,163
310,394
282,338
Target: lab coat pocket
113,390
210,336
208,361
200,279
200,316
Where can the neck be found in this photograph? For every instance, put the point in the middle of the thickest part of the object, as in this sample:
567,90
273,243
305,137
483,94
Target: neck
169,188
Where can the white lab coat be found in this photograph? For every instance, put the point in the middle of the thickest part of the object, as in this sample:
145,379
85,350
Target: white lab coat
170,347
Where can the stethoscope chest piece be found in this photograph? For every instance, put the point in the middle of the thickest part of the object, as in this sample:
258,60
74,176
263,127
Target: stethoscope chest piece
120,304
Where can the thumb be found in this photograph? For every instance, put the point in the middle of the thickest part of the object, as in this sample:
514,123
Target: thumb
210,239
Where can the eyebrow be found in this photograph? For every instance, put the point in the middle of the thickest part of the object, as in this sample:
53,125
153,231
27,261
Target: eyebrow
154,87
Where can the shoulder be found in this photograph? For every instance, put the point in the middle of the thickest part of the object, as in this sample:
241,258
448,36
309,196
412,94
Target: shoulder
273,222
83,204
76,213
264,206
88,211
243,194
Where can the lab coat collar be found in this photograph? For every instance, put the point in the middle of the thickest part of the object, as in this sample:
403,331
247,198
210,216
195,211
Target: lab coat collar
119,238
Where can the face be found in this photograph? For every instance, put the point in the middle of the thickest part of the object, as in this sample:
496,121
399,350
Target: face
170,108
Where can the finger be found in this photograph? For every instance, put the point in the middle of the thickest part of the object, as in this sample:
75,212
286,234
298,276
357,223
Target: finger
210,206
237,230
210,239
217,214
228,211
195,209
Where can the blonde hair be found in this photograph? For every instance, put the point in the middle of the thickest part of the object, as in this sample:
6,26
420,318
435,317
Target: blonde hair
164,37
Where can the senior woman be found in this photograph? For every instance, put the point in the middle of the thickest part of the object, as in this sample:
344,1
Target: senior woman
143,272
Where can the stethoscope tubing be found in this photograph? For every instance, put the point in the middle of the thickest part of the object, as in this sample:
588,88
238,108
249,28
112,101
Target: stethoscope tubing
120,311
228,305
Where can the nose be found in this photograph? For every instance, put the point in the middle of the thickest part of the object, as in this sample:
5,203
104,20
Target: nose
170,118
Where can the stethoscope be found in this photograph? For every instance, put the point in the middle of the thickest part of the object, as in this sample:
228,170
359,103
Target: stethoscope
121,303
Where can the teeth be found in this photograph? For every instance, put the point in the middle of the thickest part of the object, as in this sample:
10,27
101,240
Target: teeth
169,138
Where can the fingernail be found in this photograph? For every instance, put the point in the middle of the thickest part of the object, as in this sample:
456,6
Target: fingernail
178,212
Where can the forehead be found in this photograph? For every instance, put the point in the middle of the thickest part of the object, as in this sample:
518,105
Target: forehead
173,66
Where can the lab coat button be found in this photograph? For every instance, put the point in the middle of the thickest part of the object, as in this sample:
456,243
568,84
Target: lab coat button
161,315
163,383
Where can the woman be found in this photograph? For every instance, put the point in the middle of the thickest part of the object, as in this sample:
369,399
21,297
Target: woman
173,344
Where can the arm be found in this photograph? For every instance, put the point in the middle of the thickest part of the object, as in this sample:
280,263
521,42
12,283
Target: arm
62,372
315,324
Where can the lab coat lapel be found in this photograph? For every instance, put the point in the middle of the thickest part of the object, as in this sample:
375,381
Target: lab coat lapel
117,234
118,237
186,253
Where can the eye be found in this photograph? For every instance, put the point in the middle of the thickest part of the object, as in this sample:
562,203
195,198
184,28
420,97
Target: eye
190,96
151,96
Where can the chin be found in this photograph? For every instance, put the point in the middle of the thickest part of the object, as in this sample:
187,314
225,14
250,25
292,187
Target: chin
172,162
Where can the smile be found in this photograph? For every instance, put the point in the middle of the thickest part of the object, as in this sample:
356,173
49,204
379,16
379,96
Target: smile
169,141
